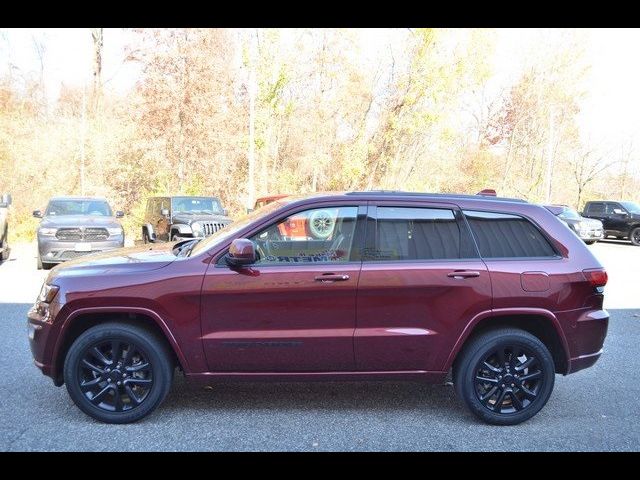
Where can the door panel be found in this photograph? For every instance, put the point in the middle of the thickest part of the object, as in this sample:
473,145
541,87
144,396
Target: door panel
294,310
418,288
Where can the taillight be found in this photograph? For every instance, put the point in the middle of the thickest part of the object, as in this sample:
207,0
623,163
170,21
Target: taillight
596,276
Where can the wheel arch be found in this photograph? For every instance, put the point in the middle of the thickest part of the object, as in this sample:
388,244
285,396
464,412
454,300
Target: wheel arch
539,322
83,319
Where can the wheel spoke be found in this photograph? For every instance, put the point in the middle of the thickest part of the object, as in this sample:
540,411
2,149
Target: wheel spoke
492,368
517,404
117,399
131,394
528,393
526,364
531,376
95,351
499,400
138,367
489,394
116,350
91,366
486,380
86,386
142,382
98,396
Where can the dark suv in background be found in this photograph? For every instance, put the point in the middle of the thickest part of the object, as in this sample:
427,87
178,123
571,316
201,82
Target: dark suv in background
401,286
168,219
72,227
619,219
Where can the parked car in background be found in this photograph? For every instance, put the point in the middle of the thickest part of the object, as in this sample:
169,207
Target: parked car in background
619,219
404,286
262,201
5,251
168,219
72,227
588,229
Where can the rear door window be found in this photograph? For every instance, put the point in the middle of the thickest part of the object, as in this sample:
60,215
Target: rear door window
502,235
408,233
596,209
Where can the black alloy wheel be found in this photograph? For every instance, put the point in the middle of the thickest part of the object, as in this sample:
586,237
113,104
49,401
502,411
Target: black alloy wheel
504,376
118,373
635,236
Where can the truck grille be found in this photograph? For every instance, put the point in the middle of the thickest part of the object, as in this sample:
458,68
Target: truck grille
209,228
80,235
70,254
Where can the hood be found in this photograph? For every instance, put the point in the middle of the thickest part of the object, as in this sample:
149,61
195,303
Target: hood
124,260
591,222
188,219
52,221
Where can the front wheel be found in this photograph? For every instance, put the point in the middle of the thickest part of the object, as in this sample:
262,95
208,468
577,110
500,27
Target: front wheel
635,236
589,242
118,373
505,376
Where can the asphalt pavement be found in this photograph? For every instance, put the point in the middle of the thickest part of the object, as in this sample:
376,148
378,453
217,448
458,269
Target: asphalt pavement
595,409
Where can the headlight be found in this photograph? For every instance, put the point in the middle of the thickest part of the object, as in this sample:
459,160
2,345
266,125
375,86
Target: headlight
48,232
115,231
197,228
48,293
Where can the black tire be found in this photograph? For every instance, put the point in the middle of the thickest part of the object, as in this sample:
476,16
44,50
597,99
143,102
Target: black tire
518,400
40,266
635,236
145,237
4,244
590,242
149,374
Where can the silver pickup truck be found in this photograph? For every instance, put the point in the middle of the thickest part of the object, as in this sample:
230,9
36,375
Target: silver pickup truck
5,201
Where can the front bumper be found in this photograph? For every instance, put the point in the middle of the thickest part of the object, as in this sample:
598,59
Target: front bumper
42,332
52,250
591,234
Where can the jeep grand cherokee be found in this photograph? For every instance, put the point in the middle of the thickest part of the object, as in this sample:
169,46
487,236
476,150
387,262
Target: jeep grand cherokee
405,286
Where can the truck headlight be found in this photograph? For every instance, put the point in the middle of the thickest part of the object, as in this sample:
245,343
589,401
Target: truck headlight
47,232
196,228
115,231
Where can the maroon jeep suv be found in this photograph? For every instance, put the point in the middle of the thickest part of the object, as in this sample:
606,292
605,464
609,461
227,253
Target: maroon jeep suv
396,286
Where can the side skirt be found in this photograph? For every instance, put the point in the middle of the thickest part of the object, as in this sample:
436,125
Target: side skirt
409,375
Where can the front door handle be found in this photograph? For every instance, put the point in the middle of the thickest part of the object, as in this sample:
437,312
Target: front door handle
332,277
461,274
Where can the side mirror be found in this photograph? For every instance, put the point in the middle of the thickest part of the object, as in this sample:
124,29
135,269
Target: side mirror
165,212
119,214
37,213
241,252
6,200
619,211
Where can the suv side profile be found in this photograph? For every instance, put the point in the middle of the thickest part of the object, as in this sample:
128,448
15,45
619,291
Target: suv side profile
619,219
168,219
499,292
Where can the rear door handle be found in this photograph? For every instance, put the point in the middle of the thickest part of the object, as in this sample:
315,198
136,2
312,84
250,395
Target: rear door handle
463,274
332,277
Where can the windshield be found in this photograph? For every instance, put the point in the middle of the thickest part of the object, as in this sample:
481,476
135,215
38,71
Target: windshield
230,230
570,214
631,207
59,208
206,205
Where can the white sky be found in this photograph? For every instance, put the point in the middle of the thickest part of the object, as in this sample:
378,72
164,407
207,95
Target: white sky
610,110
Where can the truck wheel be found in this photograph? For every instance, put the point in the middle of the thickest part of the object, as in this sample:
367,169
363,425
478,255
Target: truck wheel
39,262
145,237
635,236
118,373
4,244
504,376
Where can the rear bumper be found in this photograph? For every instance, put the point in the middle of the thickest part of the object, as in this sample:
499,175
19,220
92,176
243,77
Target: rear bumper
585,335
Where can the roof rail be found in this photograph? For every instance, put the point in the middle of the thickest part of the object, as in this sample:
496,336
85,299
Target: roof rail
436,195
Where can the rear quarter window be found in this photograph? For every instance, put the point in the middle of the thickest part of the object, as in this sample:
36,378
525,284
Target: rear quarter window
502,235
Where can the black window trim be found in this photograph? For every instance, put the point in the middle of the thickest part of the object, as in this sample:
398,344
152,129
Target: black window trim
371,239
361,215
544,234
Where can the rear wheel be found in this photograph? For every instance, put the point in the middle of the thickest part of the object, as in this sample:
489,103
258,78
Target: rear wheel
145,237
118,373
635,236
505,376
